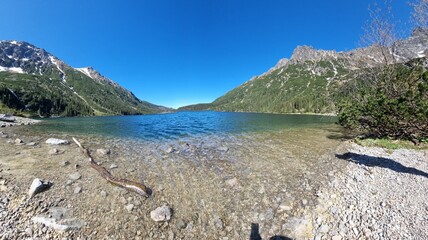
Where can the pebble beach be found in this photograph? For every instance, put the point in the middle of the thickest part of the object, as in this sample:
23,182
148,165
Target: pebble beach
225,188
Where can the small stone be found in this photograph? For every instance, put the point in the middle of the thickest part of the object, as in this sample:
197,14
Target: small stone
180,224
28,231
55,141
129,207
75,176
285,207
103,194
122,200
324,228
18,141
170,235
336,237
161,214
232,182
53,151
103,151
38,186
69,182
31,144
78,189
113,166
64,163
170,150
262,190
223,149
304,202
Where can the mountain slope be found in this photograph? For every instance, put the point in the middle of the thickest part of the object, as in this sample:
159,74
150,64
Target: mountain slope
33,80
309,81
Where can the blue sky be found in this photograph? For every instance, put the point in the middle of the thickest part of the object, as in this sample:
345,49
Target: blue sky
181,52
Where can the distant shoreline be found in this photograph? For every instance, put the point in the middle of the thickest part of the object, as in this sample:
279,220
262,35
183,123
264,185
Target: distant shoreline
278,113
15,120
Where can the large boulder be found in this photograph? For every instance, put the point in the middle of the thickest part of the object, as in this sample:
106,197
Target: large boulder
56,141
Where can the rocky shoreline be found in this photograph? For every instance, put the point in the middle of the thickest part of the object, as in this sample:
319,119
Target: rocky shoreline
7,120
377,194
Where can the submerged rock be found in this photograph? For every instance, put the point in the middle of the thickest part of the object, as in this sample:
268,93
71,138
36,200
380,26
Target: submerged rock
59,219
56,141
223,149
38,186
161,214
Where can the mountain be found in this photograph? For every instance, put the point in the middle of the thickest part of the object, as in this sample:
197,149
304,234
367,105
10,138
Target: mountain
35,81
309,82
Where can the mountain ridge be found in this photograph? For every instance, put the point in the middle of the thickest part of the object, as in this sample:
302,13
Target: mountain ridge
55,88
310,78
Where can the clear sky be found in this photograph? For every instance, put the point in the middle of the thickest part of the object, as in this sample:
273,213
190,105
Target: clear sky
180,52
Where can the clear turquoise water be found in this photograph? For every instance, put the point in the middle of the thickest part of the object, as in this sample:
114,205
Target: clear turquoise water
180,124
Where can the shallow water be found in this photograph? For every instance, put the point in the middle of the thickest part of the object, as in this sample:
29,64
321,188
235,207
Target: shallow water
220,172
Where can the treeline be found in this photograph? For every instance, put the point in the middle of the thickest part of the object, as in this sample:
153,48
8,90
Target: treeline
42,104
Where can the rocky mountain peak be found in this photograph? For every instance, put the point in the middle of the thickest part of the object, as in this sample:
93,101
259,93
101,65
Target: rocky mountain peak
308,53
25,57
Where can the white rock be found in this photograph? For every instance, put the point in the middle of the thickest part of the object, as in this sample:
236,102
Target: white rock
129,207
75,176
103,151
161,214
78,189
336,237
38,186
324,228
55,141
285,207
113,166
170,150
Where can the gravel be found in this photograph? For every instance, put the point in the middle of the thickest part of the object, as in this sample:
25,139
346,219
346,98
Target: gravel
382,194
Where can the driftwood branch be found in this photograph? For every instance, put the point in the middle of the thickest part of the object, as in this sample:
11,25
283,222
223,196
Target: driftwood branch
124,183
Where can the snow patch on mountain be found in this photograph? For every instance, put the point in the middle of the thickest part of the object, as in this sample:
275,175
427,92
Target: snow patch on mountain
55,62
85,71
11,69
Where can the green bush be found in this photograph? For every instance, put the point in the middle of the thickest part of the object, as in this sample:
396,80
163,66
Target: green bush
395,107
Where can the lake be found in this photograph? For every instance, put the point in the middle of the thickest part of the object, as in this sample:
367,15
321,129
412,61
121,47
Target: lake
180,124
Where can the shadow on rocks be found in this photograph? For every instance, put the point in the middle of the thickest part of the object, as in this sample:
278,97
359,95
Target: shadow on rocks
255,234
371,161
